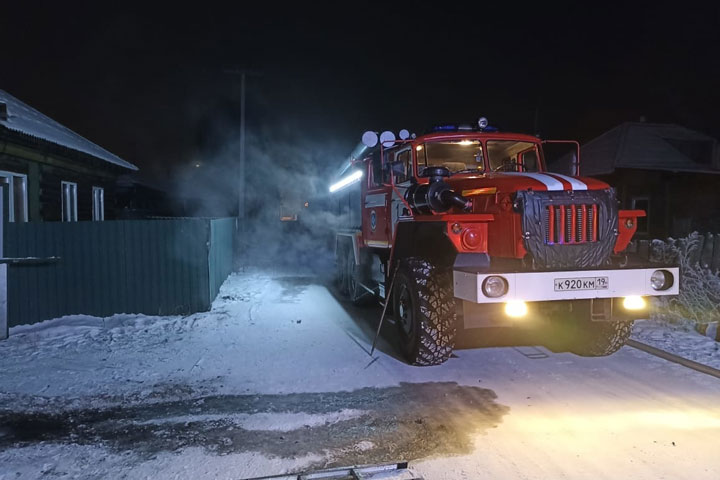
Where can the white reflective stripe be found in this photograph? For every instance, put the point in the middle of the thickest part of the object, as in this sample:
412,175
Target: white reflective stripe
377,243
550,183
576,184
375,200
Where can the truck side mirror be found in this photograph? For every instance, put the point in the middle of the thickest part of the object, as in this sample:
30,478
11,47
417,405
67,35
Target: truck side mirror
562,156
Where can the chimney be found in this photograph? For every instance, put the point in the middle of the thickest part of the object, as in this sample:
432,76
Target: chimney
3,111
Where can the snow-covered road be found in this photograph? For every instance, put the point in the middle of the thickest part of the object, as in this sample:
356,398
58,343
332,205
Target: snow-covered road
278,377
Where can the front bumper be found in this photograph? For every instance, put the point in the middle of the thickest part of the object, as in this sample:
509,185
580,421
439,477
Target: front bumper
543,286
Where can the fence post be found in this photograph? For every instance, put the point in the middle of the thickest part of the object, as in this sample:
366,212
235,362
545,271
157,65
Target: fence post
3,279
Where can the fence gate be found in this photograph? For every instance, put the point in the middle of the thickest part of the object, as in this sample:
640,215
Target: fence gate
152,267
6,262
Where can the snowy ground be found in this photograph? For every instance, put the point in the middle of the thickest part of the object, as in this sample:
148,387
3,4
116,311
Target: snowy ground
679,339
277,377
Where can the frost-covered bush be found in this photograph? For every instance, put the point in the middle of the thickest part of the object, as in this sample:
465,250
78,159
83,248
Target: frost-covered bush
699,298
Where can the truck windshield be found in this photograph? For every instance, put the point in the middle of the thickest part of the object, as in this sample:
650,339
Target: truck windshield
456,156
512,156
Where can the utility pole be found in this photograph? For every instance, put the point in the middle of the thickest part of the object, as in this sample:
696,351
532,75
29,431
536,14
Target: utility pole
241,169
242,73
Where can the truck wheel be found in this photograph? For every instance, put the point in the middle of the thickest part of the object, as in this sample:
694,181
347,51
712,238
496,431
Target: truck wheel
424,308
598,339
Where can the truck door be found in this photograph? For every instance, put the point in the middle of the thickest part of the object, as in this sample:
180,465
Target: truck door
402,173
375,205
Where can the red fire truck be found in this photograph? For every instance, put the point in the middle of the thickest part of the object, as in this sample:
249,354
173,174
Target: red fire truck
464,228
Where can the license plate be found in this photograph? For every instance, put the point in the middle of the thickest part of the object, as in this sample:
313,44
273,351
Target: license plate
581,283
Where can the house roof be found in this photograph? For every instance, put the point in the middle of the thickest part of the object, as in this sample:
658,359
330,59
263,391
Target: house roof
650,146
24,119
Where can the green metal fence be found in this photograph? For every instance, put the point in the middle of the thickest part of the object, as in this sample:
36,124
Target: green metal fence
156,267
220,255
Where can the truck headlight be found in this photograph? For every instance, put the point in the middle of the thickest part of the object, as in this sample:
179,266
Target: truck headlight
516,308
494,286
661,280
634,302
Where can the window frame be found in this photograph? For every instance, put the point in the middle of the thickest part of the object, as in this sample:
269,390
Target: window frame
101,216
417,153
409,163
540,166
62,201
11,194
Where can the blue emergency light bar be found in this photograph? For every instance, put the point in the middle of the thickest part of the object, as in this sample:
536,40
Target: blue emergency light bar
482,127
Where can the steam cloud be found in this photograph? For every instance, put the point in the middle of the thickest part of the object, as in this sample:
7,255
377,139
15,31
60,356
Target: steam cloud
282,172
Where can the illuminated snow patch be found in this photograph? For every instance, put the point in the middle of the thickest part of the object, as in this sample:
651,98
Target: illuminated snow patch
279,422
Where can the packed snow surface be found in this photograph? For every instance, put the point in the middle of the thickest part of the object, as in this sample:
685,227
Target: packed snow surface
277,378
682,340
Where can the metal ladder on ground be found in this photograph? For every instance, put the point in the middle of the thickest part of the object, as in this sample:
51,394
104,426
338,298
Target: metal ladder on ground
392,471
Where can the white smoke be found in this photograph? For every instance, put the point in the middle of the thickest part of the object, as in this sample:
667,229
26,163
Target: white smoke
282,169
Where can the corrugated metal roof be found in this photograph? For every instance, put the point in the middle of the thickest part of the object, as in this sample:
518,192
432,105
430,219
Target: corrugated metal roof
650,146
24,119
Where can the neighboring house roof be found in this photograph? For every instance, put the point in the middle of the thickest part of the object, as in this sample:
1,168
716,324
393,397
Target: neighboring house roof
650,146
131,179
22,118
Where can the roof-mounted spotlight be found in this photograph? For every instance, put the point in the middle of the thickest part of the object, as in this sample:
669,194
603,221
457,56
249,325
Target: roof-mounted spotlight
404,134
482,123
387,138
370,139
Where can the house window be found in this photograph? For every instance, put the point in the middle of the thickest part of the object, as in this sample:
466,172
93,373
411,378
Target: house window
69,202
641,203
98,204
15,196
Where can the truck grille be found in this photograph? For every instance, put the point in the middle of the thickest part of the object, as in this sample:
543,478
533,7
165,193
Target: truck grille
570,223
568,229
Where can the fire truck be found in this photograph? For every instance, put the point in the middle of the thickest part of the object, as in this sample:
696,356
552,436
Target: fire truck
464,227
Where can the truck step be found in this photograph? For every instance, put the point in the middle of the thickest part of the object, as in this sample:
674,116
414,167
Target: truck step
391,471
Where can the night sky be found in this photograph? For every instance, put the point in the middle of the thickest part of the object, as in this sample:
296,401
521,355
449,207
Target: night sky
149,85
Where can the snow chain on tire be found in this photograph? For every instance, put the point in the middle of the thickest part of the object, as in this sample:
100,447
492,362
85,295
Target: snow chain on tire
430,289
598,339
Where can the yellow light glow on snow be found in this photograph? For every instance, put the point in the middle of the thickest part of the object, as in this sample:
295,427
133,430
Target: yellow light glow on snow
623,421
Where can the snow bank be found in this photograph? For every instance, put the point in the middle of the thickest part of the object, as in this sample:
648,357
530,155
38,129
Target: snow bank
679,339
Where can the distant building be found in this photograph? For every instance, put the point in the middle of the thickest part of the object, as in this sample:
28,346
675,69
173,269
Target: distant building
49,172
138,199
671,172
